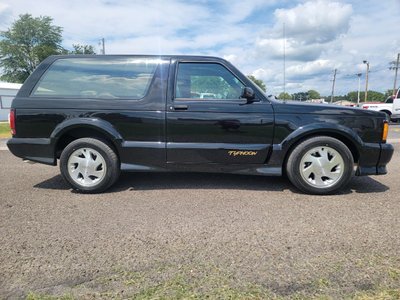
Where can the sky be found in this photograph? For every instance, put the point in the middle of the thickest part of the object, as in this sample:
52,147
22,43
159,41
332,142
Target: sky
317,36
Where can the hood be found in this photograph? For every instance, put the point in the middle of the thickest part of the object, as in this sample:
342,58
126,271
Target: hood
296,107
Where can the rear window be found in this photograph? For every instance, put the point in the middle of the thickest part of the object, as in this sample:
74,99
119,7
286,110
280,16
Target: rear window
98,77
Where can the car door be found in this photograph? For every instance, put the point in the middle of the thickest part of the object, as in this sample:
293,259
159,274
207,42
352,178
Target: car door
396,107
209,123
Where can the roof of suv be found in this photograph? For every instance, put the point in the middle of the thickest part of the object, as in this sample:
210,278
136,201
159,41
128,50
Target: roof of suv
179,57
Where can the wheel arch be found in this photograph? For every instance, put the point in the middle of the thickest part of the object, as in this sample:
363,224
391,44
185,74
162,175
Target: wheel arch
351,142
74,129
388,112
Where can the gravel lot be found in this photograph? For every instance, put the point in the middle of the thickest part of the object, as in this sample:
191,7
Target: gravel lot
208,233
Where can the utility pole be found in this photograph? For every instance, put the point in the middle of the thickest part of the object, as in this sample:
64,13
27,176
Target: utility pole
395,74
366,81
103,46
359,87
333,84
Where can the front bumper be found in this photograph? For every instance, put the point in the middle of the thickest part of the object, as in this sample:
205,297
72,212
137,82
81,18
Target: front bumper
373,159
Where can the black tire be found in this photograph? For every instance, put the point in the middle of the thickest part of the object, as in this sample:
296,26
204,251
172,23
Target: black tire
320,165
89,165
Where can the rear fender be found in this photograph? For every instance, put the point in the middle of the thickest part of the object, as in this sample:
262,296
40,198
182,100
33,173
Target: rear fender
101,126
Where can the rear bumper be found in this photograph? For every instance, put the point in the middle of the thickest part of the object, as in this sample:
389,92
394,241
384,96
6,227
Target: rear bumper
34,149
374,158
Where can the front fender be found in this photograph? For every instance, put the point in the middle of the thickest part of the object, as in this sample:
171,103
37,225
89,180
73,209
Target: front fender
281,150
321,129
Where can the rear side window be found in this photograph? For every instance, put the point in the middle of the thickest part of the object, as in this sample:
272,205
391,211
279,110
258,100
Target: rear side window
118,78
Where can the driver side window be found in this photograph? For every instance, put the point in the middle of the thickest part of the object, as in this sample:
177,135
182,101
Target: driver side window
206,81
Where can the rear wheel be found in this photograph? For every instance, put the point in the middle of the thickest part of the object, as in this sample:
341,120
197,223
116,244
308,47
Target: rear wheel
89,165
320,165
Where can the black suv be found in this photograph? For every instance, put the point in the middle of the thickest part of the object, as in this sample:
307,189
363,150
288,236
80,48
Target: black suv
102,114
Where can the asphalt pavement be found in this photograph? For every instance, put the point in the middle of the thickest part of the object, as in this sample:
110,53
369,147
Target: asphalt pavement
161,232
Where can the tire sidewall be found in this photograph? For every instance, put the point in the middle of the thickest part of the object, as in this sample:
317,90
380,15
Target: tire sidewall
109,156
295,157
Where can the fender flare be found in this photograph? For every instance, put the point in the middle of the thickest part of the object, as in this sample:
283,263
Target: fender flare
320,129
99,125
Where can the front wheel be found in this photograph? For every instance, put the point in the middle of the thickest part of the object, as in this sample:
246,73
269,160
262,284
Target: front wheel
320,165
89,165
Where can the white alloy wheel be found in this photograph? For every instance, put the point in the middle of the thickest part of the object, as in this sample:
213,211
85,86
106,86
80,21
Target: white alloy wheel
322,167
86,167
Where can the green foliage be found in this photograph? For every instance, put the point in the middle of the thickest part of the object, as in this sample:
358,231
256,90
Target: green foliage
352,96
313,94
373,96
389,93
285,96
35,296
259,82
24,45
82,49
301,96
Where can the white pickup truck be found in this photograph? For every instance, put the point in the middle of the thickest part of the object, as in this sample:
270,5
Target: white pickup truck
391,106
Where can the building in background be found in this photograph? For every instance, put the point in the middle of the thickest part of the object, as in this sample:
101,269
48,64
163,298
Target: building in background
7,94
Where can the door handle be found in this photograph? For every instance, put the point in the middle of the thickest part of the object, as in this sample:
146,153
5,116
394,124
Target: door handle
179,107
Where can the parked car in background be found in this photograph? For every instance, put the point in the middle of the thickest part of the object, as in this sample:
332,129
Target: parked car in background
345,103
391,106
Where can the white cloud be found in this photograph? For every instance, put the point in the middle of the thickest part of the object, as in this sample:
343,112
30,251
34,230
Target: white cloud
313,68
320,35
274,49
315,21
5,12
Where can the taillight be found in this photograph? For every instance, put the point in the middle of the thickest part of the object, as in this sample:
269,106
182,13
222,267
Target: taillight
385,131
11,120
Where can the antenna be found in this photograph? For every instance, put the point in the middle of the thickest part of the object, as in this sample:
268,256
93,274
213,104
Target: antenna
284,60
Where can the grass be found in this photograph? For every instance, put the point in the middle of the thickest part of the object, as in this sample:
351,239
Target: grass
4,130
211,282
178,289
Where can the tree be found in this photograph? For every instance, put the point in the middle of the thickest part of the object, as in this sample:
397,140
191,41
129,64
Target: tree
284,96
373,96
301,96
313,94
352,96
259,82
82,49
24,45
389,93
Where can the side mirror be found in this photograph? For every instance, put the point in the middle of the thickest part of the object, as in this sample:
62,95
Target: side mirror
248,94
